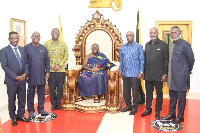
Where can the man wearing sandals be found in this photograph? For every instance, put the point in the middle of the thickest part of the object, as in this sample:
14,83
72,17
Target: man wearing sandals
93,80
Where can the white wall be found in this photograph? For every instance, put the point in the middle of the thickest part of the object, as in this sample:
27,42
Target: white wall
42,16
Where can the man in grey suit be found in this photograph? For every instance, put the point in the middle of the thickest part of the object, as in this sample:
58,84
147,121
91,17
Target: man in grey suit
13,63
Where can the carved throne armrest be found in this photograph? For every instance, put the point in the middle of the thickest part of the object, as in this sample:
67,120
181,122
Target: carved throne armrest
116,67
71,92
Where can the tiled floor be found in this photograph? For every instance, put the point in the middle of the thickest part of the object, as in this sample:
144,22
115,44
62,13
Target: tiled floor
77,122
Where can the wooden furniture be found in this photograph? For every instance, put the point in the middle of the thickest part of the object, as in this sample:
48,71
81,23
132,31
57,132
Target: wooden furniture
103,32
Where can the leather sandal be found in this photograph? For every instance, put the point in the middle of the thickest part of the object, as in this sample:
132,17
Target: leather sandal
96,100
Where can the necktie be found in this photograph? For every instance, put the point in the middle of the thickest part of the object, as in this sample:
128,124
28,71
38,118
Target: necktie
18,58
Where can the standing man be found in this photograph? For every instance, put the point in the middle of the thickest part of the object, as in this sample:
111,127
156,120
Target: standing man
155,72
131,68
58,56
39,67
182,61
13,63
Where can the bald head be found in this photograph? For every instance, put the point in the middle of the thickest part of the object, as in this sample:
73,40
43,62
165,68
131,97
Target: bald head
35,38
35,33
55,30
130,36
153,33
95,48
55,34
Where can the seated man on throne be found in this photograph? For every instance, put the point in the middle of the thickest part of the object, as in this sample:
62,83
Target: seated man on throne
93,79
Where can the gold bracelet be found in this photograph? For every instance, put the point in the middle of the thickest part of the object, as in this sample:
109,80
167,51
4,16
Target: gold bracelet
93,71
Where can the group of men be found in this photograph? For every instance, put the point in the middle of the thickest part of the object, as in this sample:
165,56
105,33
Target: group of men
152,64
34,64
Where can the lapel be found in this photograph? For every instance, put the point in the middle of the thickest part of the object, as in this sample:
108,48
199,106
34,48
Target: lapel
12,53
22,53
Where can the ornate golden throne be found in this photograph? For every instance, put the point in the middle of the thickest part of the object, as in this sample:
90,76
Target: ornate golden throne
100,31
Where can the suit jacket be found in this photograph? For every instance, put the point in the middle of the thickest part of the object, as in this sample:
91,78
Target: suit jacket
156,60
10,65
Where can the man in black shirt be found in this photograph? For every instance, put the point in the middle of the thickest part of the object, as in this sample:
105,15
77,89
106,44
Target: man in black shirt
156,68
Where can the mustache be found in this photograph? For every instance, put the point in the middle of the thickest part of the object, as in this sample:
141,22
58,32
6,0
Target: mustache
175,39
153,37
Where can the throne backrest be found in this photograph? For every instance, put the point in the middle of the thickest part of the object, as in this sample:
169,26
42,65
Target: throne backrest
103,39
98,31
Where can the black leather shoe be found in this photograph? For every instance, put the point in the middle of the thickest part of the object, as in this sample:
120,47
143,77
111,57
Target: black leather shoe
133,112
22,119
30,119
14,122
178,120
43,113
145,113
168,117
58,107
53,107
157,115
126,109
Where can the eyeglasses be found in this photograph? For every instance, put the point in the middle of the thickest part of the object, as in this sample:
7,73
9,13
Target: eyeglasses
129,35
36,36
55,33
13,38
174,32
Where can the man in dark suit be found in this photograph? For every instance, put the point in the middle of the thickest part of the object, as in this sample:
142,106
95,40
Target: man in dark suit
181,65
13,63
155,72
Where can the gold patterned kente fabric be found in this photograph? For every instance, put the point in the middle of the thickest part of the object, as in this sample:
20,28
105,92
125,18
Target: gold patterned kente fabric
58,54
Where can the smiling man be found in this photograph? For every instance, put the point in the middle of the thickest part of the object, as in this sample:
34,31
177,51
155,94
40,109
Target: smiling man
38,62
58,56
155,72
13,63
131,69
181,65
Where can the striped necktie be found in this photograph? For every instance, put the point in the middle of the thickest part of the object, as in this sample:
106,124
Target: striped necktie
18,57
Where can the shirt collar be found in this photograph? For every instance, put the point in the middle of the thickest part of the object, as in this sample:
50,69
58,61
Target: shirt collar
13,46
157,41
51,41
131,43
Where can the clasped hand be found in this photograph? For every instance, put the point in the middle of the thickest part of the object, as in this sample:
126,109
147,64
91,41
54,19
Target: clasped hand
95,69
56,67
21,78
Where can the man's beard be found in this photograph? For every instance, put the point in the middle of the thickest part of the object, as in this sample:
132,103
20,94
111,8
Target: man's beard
175,39
153,38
